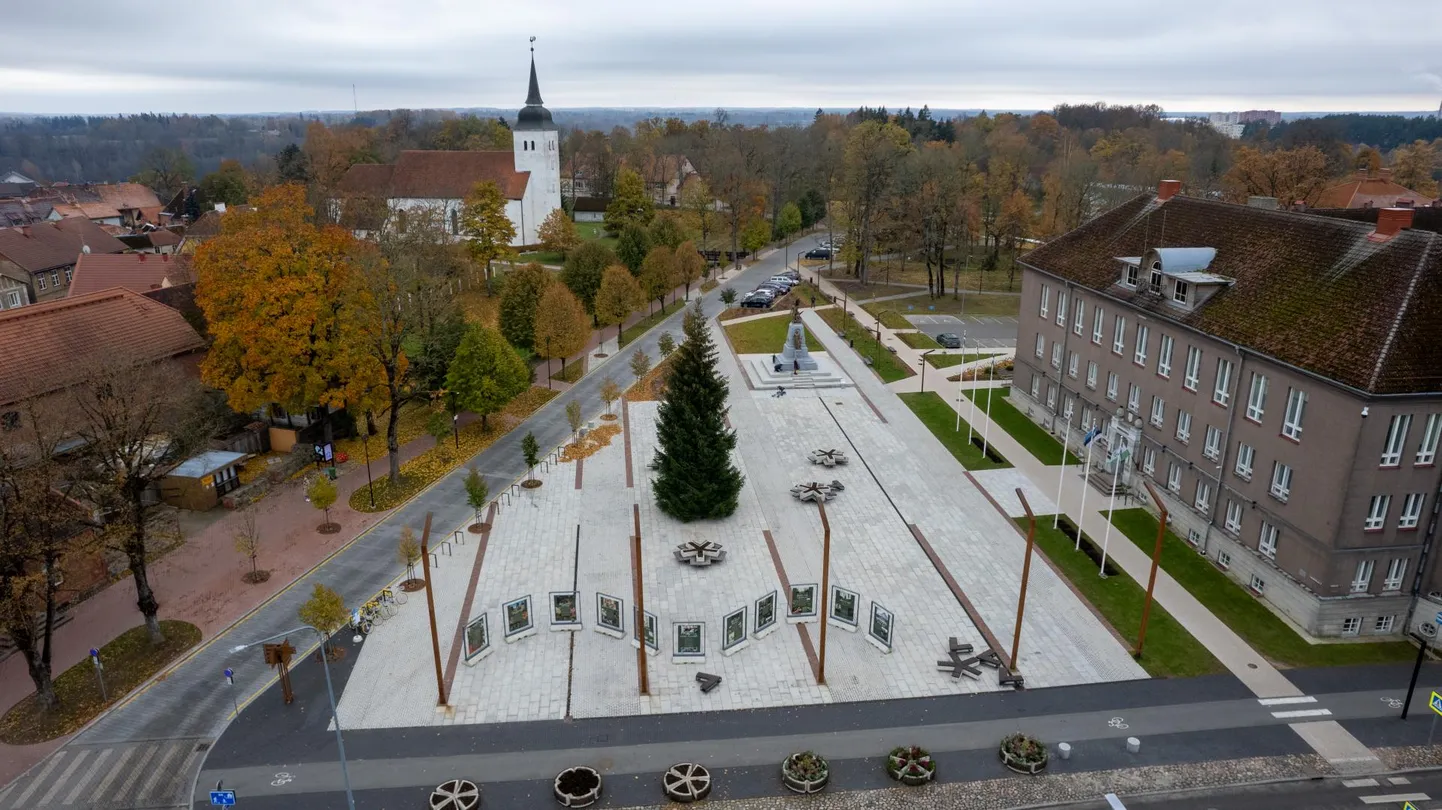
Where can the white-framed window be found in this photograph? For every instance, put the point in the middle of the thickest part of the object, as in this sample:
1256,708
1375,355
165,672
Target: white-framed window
1245,455
1257,585
54,278
1061,308
1119,335
1098,319
1051,397
1078,317
1257,397
1181,291
1129,278
69,274
1194,368
40,281
1174,477
1134,398
1203,500
1281,488
1377,513
1427,451
1164,356
1396,570
1071,365
1112,386
1234,517
1056,355
1154,278
1040,345
1194,537
1139,355
1212,444
1092,375
1384,624
13,298
1035,385
1267,541
1224,560
1396,439
1159,411
1292,419
1068,409
1352,625
1149,460
1184,426
1362,579
1222,393
1411,510
1045,300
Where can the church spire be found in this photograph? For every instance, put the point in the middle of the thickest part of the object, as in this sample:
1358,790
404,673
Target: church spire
533,98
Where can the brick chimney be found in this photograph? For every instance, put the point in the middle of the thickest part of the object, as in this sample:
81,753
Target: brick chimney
1390,221
25,231
1168,189
142,257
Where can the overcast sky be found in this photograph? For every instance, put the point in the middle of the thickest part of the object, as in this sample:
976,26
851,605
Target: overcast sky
109,56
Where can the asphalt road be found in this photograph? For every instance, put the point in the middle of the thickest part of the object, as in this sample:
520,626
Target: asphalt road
982,331
1424,790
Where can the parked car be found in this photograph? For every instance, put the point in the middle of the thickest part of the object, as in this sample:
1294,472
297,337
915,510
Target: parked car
755,301
818,253
948,340
786,281
791,274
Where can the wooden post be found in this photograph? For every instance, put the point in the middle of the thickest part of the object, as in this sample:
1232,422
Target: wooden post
1025,575
825,585
1156,560
640,603
431,611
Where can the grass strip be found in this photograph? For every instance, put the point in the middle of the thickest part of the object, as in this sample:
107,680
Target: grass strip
940,419
888,366
1027,433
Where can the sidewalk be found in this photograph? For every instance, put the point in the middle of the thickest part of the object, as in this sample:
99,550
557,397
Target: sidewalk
200,582
1328,738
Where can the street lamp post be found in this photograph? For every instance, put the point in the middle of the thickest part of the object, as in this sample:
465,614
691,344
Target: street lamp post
370,482
456,429
923,374
330,693
1156,560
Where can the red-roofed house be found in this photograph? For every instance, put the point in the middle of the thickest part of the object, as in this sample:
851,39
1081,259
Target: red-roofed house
1371,190
137,272
529,176
36,261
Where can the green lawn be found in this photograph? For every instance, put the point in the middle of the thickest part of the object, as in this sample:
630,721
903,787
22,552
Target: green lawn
1244,613
940,419
862,292
542,256
888,367
918,340
1026,432
596,231
965,304
765,336
572,372
887,313
644,325
1170,651
949,360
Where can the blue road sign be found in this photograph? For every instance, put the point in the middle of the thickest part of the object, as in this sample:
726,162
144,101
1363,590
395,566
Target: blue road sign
1436,703
222,798
1439,617
1408,806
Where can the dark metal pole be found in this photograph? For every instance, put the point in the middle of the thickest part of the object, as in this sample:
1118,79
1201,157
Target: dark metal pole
1416,670
1025,575
370,482
640,603
431,610
456,429
1156,560
335,713
825,586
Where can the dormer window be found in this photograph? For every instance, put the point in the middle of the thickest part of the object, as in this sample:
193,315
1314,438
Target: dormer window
1155,278
1181,292
1130,279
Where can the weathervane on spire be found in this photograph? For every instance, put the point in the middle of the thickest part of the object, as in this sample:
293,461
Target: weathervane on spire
533,44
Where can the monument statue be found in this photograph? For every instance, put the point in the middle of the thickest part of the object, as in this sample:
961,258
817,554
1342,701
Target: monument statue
794,355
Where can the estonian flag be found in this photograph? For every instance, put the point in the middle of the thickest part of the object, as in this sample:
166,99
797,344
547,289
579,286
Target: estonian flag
1091,434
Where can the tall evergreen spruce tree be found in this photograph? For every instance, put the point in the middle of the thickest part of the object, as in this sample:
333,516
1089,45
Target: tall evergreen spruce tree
695,478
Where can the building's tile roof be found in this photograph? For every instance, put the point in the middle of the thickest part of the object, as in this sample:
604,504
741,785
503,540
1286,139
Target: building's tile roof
137,272
1370,191
206,225
55,244
1423,219
438,175
49,339
127,196
1311,291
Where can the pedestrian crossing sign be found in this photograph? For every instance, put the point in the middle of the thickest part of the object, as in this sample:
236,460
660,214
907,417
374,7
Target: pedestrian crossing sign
1408,806
1436,703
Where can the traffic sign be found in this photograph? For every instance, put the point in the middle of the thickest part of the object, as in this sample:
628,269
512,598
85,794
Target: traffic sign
222,798
1408,806
1439,617
1436,703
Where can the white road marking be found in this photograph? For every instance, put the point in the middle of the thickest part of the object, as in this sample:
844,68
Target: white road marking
1399,780
89,774
1282,701
1303,713
115,771
1359,783
1113,802
40,778
64,778
1396,798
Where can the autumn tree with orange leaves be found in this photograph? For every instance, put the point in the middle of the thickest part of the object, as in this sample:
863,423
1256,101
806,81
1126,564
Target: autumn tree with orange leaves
282,297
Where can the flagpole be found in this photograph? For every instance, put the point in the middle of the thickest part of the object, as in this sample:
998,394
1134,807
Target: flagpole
958,391
1110,510
986,432
1086,485
976,374
1061,475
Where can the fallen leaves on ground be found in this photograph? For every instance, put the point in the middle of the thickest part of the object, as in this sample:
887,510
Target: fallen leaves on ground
591,443
650,387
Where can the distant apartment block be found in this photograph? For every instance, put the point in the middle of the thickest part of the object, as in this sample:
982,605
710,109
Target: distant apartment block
1276,375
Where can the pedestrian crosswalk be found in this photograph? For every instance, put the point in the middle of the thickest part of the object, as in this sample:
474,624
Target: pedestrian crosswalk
149,775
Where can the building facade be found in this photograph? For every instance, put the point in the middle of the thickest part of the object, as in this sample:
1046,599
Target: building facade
1282,382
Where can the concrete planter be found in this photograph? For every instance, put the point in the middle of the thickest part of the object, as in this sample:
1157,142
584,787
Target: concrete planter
1023,754
457,794
910,765
805,772
577,787
686,782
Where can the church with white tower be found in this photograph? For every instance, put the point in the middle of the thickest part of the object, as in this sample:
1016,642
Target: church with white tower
529,176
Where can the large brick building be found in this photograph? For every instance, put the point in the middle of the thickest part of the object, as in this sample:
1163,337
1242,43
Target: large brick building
1277,374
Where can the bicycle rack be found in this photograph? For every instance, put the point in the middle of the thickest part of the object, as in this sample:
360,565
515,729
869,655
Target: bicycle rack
459,536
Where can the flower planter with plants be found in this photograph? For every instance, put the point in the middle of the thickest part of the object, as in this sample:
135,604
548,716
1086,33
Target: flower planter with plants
805,772
1023,754
910,765
578,787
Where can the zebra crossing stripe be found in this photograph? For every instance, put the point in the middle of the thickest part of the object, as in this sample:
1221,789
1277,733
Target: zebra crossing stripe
115,770
137,772
89,774
40,777
162,768
65,777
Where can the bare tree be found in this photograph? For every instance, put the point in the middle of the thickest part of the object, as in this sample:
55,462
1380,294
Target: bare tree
247,544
